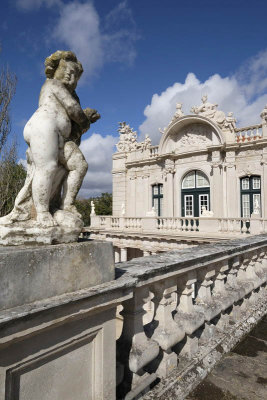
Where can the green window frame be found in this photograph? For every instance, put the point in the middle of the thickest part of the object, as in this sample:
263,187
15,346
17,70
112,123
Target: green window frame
157,198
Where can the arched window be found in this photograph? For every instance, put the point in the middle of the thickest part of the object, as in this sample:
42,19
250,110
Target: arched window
195,194
250,195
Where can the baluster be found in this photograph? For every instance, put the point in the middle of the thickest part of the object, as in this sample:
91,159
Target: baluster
259,270
167,333
221,295
186,314
135,349
235,288
205,303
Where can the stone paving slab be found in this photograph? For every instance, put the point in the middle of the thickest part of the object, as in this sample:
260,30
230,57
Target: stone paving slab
241,374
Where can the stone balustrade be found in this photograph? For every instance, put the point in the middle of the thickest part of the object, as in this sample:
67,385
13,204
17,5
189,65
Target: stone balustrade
190,225
183,302
154,151
249,133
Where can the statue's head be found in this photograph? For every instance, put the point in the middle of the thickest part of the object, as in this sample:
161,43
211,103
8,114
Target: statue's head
204,98
64,66
178,106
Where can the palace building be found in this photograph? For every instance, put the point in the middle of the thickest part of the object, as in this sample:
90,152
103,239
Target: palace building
206,180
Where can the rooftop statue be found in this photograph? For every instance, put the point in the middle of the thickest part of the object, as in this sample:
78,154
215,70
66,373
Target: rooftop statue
55,164
128,139
179,112
210,111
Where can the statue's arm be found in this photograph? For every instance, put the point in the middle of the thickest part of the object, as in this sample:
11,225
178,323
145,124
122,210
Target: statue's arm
72,106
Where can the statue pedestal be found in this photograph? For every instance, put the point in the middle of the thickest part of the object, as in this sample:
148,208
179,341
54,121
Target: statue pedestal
57,328
29,232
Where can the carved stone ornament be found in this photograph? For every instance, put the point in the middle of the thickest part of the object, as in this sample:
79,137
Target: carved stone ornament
195,135
44,210
264,114
210,111
248,169
128,139
169,167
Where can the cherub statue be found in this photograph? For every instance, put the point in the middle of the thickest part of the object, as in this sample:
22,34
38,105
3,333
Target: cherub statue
55,165
179,113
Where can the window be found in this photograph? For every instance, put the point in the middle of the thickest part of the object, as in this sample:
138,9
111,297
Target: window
245,183
202,180
246,205
189,180
195,194
203,203
195,179
256,182
189,211
157,198
250,196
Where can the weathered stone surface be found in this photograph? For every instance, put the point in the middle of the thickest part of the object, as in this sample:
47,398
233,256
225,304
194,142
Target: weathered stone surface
55,164
28,274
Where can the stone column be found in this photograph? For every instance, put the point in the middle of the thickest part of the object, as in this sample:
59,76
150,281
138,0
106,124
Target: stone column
168,198
231,187
216,190
123,254
117,255
264,186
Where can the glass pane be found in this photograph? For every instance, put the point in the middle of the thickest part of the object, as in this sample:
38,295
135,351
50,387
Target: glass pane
189,180
155,204
245,183
188,206
256,182
155,189
161,189
203,202
245,206
202,180
160,206
257,204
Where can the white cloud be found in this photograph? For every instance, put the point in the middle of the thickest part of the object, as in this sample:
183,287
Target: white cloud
98,151
244,93
95,41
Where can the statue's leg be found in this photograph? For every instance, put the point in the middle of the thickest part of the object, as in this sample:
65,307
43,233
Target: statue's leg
44,149
77,167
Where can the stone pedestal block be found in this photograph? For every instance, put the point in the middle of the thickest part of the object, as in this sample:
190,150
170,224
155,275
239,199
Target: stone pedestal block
57,332
28,274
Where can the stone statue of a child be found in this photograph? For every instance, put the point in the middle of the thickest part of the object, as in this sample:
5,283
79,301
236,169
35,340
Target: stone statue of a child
53,135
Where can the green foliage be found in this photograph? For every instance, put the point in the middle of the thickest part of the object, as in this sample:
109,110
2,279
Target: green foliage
12,177
103,206
84,208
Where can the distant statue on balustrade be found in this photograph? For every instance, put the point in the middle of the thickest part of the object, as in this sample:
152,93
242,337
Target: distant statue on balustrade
55,164
210,111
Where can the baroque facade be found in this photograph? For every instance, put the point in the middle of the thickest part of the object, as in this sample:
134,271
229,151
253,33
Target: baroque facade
205,178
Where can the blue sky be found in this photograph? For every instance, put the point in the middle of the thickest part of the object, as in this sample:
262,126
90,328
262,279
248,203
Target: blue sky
139,58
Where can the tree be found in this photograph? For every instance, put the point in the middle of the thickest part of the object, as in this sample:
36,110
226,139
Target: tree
84,208
103,204
7,90
12,177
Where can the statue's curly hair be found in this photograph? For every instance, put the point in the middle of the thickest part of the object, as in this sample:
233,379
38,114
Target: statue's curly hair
52,62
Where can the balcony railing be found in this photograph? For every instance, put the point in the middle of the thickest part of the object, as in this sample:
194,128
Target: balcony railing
183,302
249,133
176,225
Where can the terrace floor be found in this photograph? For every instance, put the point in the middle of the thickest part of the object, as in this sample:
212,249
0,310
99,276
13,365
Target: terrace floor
241,374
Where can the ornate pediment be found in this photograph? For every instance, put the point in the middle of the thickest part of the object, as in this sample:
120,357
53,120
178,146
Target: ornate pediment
191,137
